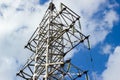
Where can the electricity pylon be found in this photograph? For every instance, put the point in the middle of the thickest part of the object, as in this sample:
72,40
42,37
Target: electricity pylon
57,34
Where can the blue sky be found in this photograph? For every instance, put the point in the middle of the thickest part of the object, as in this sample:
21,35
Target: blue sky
42,2
99,18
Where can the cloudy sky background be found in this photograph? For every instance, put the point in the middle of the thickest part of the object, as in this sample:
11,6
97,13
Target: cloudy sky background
99,18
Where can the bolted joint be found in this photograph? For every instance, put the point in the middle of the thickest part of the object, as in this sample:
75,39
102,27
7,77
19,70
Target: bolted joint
67,61
87,37
78,18
17,74
71,25
85,72
25,46
62,65
73,22
60,12
66,30
64,8
21,71
82,41
79,75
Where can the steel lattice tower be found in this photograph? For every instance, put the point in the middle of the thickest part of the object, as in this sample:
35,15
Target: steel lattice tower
58,33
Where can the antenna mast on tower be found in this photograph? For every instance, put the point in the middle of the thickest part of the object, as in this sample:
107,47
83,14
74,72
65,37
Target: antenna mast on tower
58,33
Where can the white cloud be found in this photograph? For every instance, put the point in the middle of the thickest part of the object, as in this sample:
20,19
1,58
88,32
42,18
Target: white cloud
19,18
98,28
112,72
110,18
8,68
96,76
13,18
107,49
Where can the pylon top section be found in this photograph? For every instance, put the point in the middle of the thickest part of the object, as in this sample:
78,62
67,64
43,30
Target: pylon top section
58,33
51,6
65,22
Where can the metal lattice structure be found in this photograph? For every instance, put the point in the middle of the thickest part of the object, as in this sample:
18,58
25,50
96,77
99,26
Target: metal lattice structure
57,34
